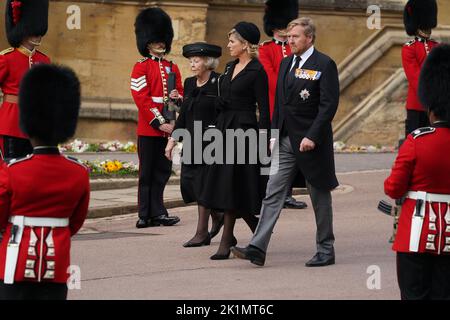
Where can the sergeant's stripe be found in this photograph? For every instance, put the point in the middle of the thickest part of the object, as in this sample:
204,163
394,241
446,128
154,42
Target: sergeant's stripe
138,84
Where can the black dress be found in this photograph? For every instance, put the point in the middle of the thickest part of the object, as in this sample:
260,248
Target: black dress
234,186
198,105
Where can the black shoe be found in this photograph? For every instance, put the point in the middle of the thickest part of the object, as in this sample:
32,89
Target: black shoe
320,260
227,255
141,223
164,220
252,253
291,203
205,242
216,228
220,256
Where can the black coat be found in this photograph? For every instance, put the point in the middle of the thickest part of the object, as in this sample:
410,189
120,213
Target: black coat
198,105
238,186
310,117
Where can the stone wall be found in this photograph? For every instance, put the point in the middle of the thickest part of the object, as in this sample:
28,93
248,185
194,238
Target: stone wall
103,52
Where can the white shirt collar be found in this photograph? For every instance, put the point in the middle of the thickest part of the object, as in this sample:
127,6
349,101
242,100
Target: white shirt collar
305,56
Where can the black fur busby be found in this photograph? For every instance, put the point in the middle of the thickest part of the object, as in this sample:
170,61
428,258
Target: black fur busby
25,18
49,103
278,14
420,14
153,25
434,82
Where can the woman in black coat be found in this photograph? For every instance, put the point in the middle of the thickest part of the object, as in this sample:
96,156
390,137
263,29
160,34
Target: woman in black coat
200,92
235,187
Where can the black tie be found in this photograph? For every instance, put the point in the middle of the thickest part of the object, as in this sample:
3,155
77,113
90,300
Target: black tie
291,75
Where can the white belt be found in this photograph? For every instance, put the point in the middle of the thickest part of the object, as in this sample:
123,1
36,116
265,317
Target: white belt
418,217
12,251
430,197
158,99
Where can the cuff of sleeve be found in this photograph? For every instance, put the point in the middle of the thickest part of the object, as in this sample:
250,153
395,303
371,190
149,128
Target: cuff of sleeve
158,120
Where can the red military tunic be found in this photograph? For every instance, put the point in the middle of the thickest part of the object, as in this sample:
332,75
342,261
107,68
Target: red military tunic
423,164
45,184
270,55
414,54
149,88
14,63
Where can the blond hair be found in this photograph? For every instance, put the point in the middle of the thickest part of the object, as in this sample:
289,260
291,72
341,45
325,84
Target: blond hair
307,24
252,49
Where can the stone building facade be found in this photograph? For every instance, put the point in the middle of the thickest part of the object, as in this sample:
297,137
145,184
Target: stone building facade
103,50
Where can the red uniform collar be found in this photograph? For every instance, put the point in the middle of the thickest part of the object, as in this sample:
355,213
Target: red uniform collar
278,42
25,51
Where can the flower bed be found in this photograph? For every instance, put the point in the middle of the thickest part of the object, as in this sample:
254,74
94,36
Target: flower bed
112,169
78,146
341,147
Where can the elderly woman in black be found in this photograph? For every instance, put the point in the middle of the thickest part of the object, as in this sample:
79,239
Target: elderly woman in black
235,187
200,92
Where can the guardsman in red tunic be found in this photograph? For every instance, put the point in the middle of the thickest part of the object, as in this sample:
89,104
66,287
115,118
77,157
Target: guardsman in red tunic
44,196
421,174
420,17
26,24
150,90
278,14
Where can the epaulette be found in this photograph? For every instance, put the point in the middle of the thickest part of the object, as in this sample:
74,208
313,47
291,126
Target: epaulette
410,43
422,131
18,160
142,60
6,51
265,42
41,53
77,161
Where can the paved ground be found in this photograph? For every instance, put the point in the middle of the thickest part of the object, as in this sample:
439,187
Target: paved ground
107,202
118,261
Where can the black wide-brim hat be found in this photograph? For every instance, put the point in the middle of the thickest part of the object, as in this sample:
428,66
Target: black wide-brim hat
420,14
25,18
278,14
201,49
153,25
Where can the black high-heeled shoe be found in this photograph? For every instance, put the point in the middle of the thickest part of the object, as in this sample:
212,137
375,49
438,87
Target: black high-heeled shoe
221,256
205,242
216,229
227,255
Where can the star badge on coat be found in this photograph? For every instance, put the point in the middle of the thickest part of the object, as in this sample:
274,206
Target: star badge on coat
304,94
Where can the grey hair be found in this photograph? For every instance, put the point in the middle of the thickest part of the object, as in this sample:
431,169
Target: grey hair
211,63
307,24
252,49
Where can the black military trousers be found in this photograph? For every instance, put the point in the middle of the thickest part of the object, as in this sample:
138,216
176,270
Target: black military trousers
33,291
154,172
423,276
415,120
13,147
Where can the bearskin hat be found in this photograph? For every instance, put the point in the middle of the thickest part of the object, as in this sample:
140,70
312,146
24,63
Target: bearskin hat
278,14
153,25
49,103
434,82
420,14
25,18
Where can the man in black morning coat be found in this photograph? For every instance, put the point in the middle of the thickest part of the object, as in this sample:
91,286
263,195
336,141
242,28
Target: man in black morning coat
306,101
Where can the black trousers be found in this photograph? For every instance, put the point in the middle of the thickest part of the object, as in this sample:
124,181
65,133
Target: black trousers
423,276
154,172
33,291
415,120
13,147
